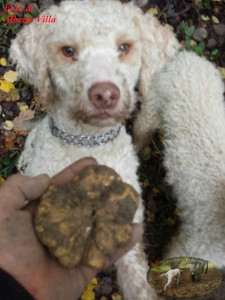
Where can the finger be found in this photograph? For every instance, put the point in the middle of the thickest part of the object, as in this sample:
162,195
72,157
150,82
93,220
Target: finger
70,172
137,233
19,188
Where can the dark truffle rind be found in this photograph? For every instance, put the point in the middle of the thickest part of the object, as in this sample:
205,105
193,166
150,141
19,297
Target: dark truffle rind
88,218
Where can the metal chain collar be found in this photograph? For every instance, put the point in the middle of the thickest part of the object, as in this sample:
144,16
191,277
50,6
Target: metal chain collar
83,140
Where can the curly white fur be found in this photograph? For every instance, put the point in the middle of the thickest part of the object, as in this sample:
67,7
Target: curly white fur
95,30
186,102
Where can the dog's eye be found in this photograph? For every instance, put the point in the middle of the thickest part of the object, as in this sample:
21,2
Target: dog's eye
124,48
68,51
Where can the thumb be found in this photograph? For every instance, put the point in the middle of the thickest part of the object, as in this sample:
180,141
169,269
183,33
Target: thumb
19,188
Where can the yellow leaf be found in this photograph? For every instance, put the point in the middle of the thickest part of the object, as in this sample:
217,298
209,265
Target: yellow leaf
116,296
13,95
216,0
153,11
10,76
193,43
2,180
6,86
161,138
155,190
24,107
88,293
222,72
3,61
205,18
149,219
169,27
8,125
215,20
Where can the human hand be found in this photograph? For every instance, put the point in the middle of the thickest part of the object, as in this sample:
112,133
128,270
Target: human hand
21,254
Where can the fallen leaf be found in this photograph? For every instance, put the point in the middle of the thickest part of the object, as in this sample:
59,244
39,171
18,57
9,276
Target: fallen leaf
222,72
155,190
116,296
8,125
169,27
205,18
215,20
88,293
149,219
220,29
3,96
10,136
193,43
200,34
24,107
2,180
153,11
10,76
6,86
20,126
161,138
13,95
9,145
3,61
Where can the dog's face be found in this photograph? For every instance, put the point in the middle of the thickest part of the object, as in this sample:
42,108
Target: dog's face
88,63
94,63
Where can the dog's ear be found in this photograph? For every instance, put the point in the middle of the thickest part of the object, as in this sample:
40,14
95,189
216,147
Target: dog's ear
158,44
28,52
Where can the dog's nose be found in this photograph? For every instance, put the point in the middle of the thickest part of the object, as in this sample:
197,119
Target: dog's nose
104,94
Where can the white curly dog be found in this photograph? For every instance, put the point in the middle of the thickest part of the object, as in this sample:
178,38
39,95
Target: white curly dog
170,275
86,67
186,103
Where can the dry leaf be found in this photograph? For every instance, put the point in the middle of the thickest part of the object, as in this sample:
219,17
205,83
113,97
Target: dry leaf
3,61
205,18
13,95
6,86
155,190
222,72
215,20
20,125
2,180
3,96
8,125
10,76
88,293
116,296
23,107
9,145
10,136
193,43
152,11
161,138
169,27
